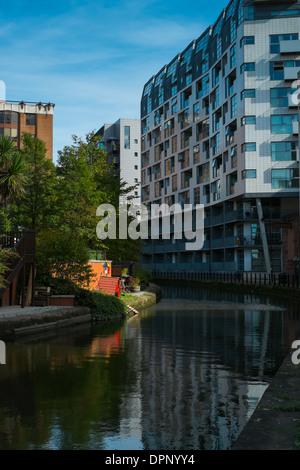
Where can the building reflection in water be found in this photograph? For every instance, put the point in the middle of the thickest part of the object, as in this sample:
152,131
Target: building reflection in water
185,374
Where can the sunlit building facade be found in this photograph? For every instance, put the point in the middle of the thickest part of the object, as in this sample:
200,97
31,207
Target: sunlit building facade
33,118
219,127
122,143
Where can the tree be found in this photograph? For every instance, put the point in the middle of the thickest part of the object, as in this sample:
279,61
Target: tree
13,177
63,256
34,207
86,181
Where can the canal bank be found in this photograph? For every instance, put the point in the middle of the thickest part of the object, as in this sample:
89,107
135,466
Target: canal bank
16,321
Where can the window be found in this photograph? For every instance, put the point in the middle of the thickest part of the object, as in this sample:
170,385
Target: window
136,167
127,137
203,86
9,132
249,13
174,90
174,144
247,40
284,151
248,120
232,56
197,196
285,13
149,105
233,106
135,180
249,147
232,30
247,67
174,105
135,141
279,97
136,154
9,117
283,123
276,70
205,63
285,178
196,153
276,38
188,78
30,119
248,174
196,112
219,47
233,155
249,93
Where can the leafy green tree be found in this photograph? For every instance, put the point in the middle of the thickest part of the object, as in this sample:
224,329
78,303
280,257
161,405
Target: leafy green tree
86,181
63,256
34,207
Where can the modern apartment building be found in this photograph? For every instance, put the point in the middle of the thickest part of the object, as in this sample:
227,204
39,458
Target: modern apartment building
35,118
220,128
122,142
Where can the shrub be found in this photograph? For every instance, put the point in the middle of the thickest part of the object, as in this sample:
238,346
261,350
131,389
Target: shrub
101,305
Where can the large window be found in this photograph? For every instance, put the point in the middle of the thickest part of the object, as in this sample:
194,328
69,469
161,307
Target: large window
275,41
285,178
279,97
283,123
284,151
8,117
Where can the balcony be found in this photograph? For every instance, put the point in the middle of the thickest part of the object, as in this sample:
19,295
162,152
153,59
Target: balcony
290,47
295,127
290,73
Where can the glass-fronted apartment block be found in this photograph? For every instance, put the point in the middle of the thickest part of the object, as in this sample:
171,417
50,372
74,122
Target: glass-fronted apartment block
220,128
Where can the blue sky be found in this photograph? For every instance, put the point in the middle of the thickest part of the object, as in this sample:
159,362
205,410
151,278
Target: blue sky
93,58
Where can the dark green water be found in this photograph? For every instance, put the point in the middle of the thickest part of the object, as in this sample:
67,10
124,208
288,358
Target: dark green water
185,374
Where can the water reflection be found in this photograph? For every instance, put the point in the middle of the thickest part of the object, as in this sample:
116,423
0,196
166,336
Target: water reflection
182,375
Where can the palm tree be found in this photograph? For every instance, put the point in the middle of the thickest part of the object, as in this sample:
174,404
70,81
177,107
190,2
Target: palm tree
12,172
13,177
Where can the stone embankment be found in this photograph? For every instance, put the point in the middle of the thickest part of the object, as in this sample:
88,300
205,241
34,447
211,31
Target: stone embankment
16,321
147,297
275,423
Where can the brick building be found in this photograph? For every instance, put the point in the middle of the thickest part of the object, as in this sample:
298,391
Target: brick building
34,118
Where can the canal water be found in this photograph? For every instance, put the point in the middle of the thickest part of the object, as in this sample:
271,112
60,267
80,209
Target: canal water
185,374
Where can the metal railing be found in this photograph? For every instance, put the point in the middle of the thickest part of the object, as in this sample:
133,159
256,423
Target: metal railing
260,279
